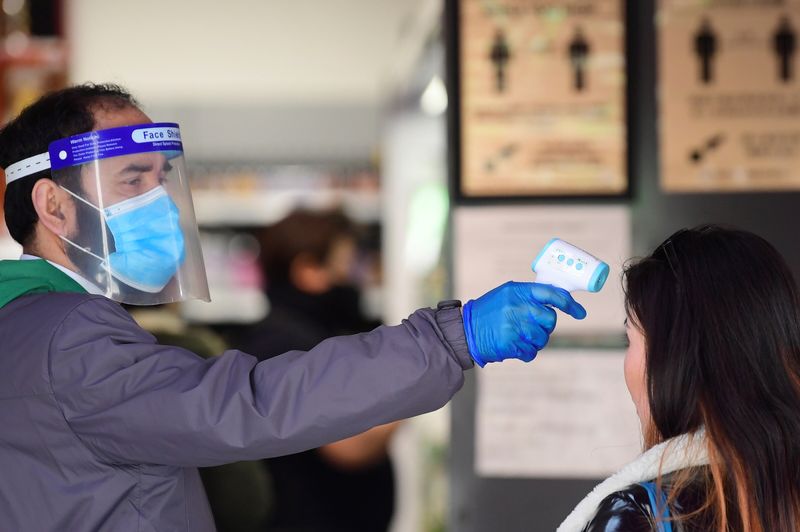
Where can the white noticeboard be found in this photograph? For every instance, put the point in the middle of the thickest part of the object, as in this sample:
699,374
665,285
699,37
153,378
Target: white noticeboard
567,414
498,244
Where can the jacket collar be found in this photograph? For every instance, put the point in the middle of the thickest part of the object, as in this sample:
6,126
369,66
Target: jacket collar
19,278
85,284
681,452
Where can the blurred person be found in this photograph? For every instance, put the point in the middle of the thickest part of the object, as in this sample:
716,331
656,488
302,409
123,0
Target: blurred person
308,259
713,368
104,428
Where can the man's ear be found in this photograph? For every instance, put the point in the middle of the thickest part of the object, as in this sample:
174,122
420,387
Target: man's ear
50,203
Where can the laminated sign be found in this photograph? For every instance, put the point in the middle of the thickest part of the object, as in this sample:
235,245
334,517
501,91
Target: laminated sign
542,97
729,95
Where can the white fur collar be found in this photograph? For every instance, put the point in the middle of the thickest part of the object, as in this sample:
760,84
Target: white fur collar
667,457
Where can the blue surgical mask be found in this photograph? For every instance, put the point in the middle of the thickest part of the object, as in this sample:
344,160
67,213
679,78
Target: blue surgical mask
148,241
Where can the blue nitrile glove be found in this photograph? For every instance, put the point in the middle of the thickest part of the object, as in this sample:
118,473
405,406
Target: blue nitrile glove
515,320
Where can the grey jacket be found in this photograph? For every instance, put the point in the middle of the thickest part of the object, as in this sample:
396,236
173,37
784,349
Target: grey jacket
101,428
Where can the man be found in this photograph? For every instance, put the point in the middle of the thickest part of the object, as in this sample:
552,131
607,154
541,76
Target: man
103,428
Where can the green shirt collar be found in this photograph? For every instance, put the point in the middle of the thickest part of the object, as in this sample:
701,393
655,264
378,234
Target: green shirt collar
23,277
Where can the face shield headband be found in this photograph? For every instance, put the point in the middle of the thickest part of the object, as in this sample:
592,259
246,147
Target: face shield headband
144,244
95,145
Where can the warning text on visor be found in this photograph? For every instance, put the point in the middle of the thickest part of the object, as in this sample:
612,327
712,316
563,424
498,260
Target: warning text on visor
115,142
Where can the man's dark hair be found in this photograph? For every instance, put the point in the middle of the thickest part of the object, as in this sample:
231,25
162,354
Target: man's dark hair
56,115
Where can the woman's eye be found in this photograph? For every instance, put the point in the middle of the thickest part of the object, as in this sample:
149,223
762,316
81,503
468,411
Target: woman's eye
626,341
133,182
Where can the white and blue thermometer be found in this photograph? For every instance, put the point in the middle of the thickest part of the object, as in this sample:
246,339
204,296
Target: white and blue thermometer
569,267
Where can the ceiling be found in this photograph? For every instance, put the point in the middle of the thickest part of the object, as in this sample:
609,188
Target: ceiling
240,52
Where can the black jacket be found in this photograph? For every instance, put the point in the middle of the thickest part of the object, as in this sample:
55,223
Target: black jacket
629,510
312,495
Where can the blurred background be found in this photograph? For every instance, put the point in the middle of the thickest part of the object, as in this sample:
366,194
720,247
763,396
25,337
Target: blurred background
377,156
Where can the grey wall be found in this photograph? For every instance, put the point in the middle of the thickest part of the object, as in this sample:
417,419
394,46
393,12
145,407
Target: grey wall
531,505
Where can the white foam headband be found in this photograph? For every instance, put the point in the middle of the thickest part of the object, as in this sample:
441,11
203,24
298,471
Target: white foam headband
28,166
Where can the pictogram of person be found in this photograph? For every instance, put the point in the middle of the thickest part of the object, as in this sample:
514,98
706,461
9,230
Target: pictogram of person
579,50
500,55
784,43
705,46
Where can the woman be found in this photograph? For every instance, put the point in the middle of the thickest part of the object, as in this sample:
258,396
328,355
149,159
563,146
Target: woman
713,367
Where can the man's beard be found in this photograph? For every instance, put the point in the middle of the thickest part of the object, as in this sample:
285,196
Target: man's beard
89,235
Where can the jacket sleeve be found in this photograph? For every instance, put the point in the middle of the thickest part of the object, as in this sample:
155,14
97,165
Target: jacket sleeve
628,510
131,400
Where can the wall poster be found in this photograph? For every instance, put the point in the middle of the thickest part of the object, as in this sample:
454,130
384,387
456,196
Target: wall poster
497,243
567,414
541,97
729,95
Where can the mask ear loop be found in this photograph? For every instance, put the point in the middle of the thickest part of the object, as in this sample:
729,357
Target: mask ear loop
87,202
103,262
85,250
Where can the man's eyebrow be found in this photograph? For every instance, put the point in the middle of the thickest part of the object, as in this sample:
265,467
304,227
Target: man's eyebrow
137,168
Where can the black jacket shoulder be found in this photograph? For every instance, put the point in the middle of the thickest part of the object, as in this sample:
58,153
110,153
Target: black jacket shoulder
626,510
629,510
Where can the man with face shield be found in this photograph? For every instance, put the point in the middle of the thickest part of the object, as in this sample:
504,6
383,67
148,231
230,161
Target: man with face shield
103,428
128,235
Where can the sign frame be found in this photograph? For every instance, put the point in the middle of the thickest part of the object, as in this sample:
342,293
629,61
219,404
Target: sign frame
452,25
715,106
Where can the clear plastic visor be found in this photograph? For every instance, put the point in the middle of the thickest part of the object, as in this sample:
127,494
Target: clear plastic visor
131,231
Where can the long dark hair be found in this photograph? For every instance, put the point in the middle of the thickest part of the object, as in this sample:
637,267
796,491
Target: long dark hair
719,311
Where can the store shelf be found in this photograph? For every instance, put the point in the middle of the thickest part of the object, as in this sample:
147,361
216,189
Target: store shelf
227,306
36,51
264,207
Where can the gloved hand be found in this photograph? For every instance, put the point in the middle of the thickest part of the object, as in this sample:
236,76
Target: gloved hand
515,320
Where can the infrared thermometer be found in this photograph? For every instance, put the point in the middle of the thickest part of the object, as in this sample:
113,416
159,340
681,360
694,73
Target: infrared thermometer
569,267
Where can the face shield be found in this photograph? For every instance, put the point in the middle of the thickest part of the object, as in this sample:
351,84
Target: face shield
134,234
